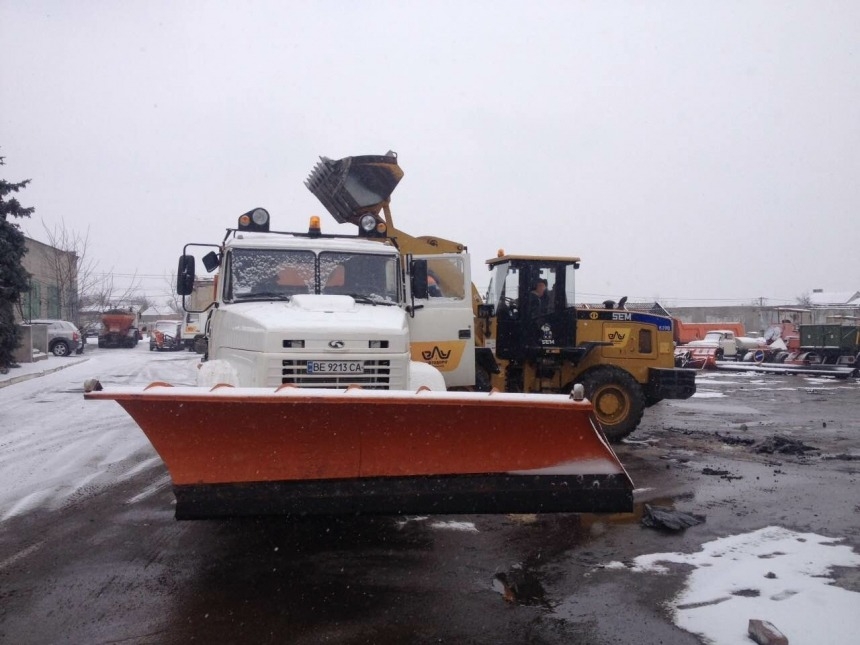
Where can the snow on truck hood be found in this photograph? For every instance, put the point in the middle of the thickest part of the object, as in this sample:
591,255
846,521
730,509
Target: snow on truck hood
314,313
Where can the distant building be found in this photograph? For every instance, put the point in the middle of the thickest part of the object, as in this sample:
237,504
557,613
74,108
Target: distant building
822,298
151,314
53,283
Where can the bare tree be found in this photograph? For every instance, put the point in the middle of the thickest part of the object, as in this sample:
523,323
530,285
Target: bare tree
76,274
804,300
142,302
172,300
106,295
68,265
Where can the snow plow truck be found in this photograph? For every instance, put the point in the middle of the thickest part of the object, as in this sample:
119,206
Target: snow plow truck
335,380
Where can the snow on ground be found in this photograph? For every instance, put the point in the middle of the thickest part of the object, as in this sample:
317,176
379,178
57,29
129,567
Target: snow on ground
56,447
707,394
771,574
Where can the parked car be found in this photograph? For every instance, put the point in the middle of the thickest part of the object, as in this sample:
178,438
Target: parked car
90,330
63,337
166,335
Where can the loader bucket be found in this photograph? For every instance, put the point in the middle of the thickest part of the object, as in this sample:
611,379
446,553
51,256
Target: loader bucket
352,186
254,451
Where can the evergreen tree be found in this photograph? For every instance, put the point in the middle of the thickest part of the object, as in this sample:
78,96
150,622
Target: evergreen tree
14,280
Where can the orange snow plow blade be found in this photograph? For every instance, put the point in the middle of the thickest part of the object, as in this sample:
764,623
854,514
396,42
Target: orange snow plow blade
254,451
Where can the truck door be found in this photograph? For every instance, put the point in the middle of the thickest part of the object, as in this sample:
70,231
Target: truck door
442,329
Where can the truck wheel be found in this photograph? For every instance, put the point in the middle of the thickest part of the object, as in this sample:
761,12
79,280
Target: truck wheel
60,348
617,399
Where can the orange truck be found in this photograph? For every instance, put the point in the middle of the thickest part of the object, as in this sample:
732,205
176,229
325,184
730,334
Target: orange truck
119,329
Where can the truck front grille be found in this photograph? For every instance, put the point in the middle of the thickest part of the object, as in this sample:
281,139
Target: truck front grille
376,376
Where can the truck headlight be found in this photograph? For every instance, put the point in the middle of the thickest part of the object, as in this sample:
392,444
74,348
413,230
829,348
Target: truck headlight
255,220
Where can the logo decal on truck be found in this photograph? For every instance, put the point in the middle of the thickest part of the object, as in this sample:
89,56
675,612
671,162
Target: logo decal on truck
546,337
443,356
436,353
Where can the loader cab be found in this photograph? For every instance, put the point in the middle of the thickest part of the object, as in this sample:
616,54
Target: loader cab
533,303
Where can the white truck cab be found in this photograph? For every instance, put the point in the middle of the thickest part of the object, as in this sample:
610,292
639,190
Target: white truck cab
310,310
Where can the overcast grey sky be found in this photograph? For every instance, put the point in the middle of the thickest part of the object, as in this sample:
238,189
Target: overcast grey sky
687,151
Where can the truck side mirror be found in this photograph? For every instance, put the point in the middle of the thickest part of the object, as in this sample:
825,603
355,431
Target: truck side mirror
418,269
185,275
211,261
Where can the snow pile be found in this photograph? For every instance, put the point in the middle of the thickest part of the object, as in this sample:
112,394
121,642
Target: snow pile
772,574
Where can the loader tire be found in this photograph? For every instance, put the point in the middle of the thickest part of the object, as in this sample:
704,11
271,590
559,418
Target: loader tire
483,382
617,398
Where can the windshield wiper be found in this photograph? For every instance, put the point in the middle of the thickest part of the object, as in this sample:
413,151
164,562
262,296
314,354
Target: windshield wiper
264,295
370,301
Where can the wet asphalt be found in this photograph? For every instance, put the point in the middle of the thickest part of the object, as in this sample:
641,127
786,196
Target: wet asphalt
105,570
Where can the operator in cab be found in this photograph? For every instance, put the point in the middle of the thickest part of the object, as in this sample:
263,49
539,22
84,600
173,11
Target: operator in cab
538,298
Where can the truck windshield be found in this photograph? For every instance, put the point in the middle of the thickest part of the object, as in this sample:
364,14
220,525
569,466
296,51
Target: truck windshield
367,278
271,273
264,274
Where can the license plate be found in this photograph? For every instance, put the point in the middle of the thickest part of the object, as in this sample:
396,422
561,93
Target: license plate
335,367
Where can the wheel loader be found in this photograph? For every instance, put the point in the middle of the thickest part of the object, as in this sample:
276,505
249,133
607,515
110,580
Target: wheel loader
624,359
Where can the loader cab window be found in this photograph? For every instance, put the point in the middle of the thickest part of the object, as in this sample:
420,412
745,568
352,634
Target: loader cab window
569,286
446,279
365,277
543,301
504,290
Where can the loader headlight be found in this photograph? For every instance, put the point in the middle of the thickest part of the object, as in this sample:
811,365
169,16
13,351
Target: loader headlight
367,223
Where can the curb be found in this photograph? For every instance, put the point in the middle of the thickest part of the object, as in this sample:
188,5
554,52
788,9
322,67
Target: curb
27,377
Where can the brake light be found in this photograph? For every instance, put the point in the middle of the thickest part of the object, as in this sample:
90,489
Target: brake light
75,335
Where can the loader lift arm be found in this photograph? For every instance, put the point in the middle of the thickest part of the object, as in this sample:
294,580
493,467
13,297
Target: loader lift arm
357,190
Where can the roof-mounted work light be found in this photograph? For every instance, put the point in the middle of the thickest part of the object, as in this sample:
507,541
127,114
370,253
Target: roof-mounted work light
255,220
369,226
